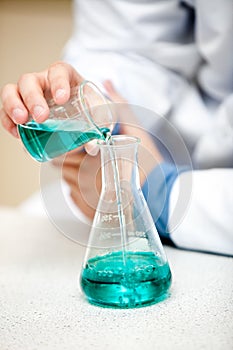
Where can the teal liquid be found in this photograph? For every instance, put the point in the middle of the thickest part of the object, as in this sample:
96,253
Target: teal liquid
106,281
53,138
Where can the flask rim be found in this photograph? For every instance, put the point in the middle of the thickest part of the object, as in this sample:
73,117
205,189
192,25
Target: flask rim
79,90
120,141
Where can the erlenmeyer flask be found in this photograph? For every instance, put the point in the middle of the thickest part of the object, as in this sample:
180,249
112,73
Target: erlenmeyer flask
125,264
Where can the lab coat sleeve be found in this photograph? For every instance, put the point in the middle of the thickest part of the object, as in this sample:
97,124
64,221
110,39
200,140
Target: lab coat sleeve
206,223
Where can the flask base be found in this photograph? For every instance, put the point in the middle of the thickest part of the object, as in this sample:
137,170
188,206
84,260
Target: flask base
143,280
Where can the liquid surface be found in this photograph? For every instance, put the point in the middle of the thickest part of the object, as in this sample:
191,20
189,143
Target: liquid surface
106,281
52,138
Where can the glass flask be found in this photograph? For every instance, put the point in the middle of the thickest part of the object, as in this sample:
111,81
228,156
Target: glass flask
86,116
125,264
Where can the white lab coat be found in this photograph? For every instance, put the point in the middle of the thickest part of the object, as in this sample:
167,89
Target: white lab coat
153,51
175,58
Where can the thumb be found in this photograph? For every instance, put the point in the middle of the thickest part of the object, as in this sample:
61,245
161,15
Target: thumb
92,148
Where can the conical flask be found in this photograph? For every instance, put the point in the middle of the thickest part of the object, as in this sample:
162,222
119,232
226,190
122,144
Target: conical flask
125,264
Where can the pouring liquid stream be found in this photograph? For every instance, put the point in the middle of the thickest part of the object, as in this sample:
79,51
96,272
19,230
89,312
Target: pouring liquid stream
109,142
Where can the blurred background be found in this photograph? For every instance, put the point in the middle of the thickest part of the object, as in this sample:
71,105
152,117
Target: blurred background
32,36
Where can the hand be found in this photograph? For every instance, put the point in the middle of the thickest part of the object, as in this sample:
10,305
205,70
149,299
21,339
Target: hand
82,171
29,95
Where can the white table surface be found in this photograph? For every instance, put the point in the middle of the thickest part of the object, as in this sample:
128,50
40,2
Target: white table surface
41,306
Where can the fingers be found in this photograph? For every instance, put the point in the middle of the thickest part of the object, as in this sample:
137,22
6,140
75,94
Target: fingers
92,148
58,80
13,106
31,88
62,77
28,96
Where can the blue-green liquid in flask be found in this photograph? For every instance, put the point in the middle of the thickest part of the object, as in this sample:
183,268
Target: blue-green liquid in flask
53,138
144,280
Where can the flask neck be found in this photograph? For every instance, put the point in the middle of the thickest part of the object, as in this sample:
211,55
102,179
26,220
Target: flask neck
119,163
